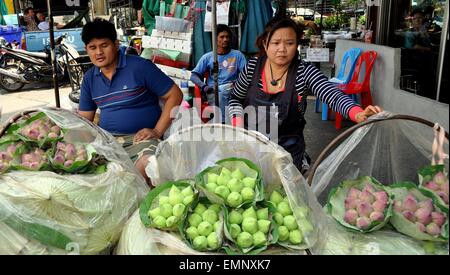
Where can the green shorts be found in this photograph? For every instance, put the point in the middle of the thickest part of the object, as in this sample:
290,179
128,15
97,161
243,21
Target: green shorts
137,150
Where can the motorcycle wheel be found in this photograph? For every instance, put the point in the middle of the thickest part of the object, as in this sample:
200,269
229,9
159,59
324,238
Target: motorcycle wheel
8,83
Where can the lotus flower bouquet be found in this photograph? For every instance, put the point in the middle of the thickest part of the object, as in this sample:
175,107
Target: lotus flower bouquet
40,129
71,157
9,151
435,180
34,160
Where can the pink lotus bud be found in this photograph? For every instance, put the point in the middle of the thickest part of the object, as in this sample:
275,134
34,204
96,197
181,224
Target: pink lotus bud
27,158
60,146
410,203
11,149
55,129
421,227
80,159
379,205
367,197
353,193
398,206
4,156
362,222
351,216
440,178
69,156
377,216
432,186
409,216
45,128
351,203
423,215
433,229
364,209
444,187
34,165
33,134
381,196
59,159
369,188
443,196
26,164
70,147
427,204
438,218
68,163
52,135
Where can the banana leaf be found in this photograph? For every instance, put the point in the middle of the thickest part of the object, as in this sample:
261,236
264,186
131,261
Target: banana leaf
336,205
427,174
401,224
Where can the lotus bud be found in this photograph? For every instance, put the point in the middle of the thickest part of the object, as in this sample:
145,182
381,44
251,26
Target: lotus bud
369,188
235,230
212,177
69,156
295,237
82,153
195,220
354,193
444,187
200,243
381,196
160,222
216,208
27,158
34,165
33,134
171,221
363,223
174,191
11,149
283,233
223,192
276,198
192,233
175,198
440,178
223,180
187,191
290,222
376,216
237,174
234,199
245,240
205,228
249,182
153,213
225,171
213,241
351,216
398,206
410,203
80,159
443,196
211,186
433,229
432,186
250,225
166,210
163,200
427,204
438,218
423,215
379,206
200,209
264,226
52,135
305,226
259,238
421,227
210,216
55,129
68,163
235,185
284,208
25,164
235,217
367,197
250,213
279,219
409,216
351,203
364,209
262,214
248,194
60,146
178,210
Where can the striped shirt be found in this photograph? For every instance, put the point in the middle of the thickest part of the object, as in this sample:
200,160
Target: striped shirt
309,78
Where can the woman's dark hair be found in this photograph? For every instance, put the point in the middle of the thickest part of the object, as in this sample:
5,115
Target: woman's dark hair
224,28
98,29
272,26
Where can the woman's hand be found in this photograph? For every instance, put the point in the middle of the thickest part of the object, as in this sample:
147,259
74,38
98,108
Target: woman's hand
369,111
146,134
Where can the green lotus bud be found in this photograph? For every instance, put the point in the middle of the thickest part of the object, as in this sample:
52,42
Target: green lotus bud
250,213
163,200
225,171
166,210
200,208
276,198
290,222
205,228
234,199
211,186
223,180
250,225
262,214
223,192
217,226
213,241
245,240
192,233
160,222
284,208
175,199
295,237
216,207
178,210
237,174
187,191
235,230
194,219
235,217
283,233
305,226
188,200
235,185
210,216
153,213
171,221
249,182
174,191
259,238
264,226
212,177
247,194
200,243
279,219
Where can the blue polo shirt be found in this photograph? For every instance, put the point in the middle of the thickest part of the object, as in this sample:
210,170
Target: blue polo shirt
130,101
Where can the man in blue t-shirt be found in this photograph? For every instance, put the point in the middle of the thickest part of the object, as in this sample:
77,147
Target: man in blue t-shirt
127,90
231,63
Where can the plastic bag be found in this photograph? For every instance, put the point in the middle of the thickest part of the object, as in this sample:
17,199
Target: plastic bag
47,213
186,154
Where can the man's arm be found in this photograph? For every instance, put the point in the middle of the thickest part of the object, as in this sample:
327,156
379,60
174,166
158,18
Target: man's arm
89,115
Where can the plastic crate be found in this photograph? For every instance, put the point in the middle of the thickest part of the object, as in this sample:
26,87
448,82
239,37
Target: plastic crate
172,24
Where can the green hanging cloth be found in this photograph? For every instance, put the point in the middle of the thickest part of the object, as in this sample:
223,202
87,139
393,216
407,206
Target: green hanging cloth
3,11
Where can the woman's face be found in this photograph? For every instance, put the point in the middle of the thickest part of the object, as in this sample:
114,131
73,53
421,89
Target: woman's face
282,46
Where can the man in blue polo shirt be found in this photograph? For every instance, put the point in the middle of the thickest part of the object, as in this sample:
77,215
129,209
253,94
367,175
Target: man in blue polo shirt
126,89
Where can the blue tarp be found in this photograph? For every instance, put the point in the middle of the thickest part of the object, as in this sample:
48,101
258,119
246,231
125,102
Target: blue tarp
259,13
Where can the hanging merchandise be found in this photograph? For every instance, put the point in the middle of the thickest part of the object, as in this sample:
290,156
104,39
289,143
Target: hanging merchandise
223,10
259,13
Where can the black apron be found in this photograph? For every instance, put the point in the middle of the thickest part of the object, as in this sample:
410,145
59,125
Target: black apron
290,121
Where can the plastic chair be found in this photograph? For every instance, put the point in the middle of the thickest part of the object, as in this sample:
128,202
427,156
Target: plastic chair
354,87
350,57
198,97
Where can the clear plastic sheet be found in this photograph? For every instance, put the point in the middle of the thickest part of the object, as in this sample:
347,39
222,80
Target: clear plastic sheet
48,213
184,155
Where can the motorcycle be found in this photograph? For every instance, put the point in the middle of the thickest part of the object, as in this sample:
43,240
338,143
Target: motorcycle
19,67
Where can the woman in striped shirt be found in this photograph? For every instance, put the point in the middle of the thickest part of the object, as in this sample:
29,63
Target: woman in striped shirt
271,91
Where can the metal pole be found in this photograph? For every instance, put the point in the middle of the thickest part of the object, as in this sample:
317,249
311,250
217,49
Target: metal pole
214,44
92,9
53,55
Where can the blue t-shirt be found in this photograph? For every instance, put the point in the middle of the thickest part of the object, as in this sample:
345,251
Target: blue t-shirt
230,65
130,101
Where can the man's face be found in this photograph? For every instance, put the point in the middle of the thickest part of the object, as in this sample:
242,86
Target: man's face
102,52
41,16
223,40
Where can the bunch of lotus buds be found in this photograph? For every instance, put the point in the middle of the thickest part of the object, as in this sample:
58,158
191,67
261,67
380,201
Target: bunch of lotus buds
34,159
41,129
439,186
67,153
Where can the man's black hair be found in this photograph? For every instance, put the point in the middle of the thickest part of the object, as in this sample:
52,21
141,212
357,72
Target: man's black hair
27,10
98,29
224,28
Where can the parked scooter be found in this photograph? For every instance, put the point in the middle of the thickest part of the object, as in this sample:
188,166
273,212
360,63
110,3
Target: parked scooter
19,67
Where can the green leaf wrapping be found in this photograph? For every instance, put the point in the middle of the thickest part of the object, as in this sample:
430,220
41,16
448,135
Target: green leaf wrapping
400,191
426,174
150,202
336,203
